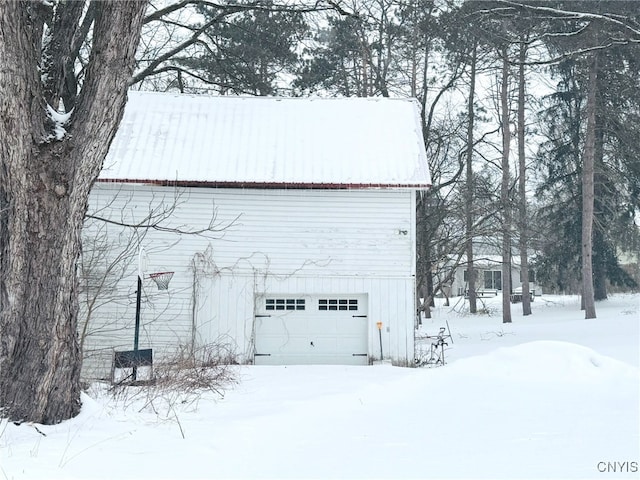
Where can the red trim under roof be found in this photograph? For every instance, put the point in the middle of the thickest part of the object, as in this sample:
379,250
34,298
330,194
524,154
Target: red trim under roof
263,185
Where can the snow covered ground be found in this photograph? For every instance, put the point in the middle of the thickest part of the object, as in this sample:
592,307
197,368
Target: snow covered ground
549,396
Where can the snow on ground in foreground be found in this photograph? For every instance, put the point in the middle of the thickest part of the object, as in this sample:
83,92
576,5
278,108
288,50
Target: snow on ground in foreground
549,396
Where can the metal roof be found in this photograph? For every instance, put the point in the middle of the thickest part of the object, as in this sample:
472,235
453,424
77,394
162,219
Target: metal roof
268,142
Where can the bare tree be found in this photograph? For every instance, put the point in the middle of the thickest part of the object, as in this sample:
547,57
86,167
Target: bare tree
575,32
48,164
522,183
505,200
588,301
471,272
106,258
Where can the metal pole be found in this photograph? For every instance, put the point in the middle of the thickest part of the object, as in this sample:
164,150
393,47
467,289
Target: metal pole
136,337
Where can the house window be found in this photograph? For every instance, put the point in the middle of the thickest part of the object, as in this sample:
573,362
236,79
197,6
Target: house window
335,304
284,304
493,279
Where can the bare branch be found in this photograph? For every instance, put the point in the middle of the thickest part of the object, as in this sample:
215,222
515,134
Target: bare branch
192,40
613,19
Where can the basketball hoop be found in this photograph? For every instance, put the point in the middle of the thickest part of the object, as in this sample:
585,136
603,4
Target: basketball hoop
162,279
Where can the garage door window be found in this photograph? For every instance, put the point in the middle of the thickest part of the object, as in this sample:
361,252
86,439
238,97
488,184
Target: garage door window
336,304
284,304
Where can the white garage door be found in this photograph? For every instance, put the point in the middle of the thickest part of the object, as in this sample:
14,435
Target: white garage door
322,329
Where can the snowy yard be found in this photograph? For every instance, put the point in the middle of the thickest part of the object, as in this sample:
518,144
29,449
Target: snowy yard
549,396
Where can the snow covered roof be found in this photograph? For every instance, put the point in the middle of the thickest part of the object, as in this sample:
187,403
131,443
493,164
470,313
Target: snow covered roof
266,141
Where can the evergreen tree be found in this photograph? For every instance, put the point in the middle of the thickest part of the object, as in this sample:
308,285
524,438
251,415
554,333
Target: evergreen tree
617,174
249,52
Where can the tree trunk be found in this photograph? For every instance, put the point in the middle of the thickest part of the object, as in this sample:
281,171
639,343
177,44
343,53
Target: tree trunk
504,191
599,267
422,255
522,183
599,247
471,274
588,192
45,179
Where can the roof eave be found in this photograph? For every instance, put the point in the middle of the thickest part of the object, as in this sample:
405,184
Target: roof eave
266,185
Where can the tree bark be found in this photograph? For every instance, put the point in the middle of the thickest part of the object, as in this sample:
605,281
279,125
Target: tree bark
522,184
588,192
471,274
599,258
599,267
423,255
504,191
45,179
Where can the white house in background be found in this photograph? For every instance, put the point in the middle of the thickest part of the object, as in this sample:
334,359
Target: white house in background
315,200
488,267
489,277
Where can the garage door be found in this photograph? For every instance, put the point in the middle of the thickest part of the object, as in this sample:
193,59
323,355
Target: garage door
304,329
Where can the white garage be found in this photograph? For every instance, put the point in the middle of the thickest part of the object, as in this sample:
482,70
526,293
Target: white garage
324,329
306,209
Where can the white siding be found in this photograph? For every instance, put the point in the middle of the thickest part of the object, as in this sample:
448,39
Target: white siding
390,302
269,241
344,232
